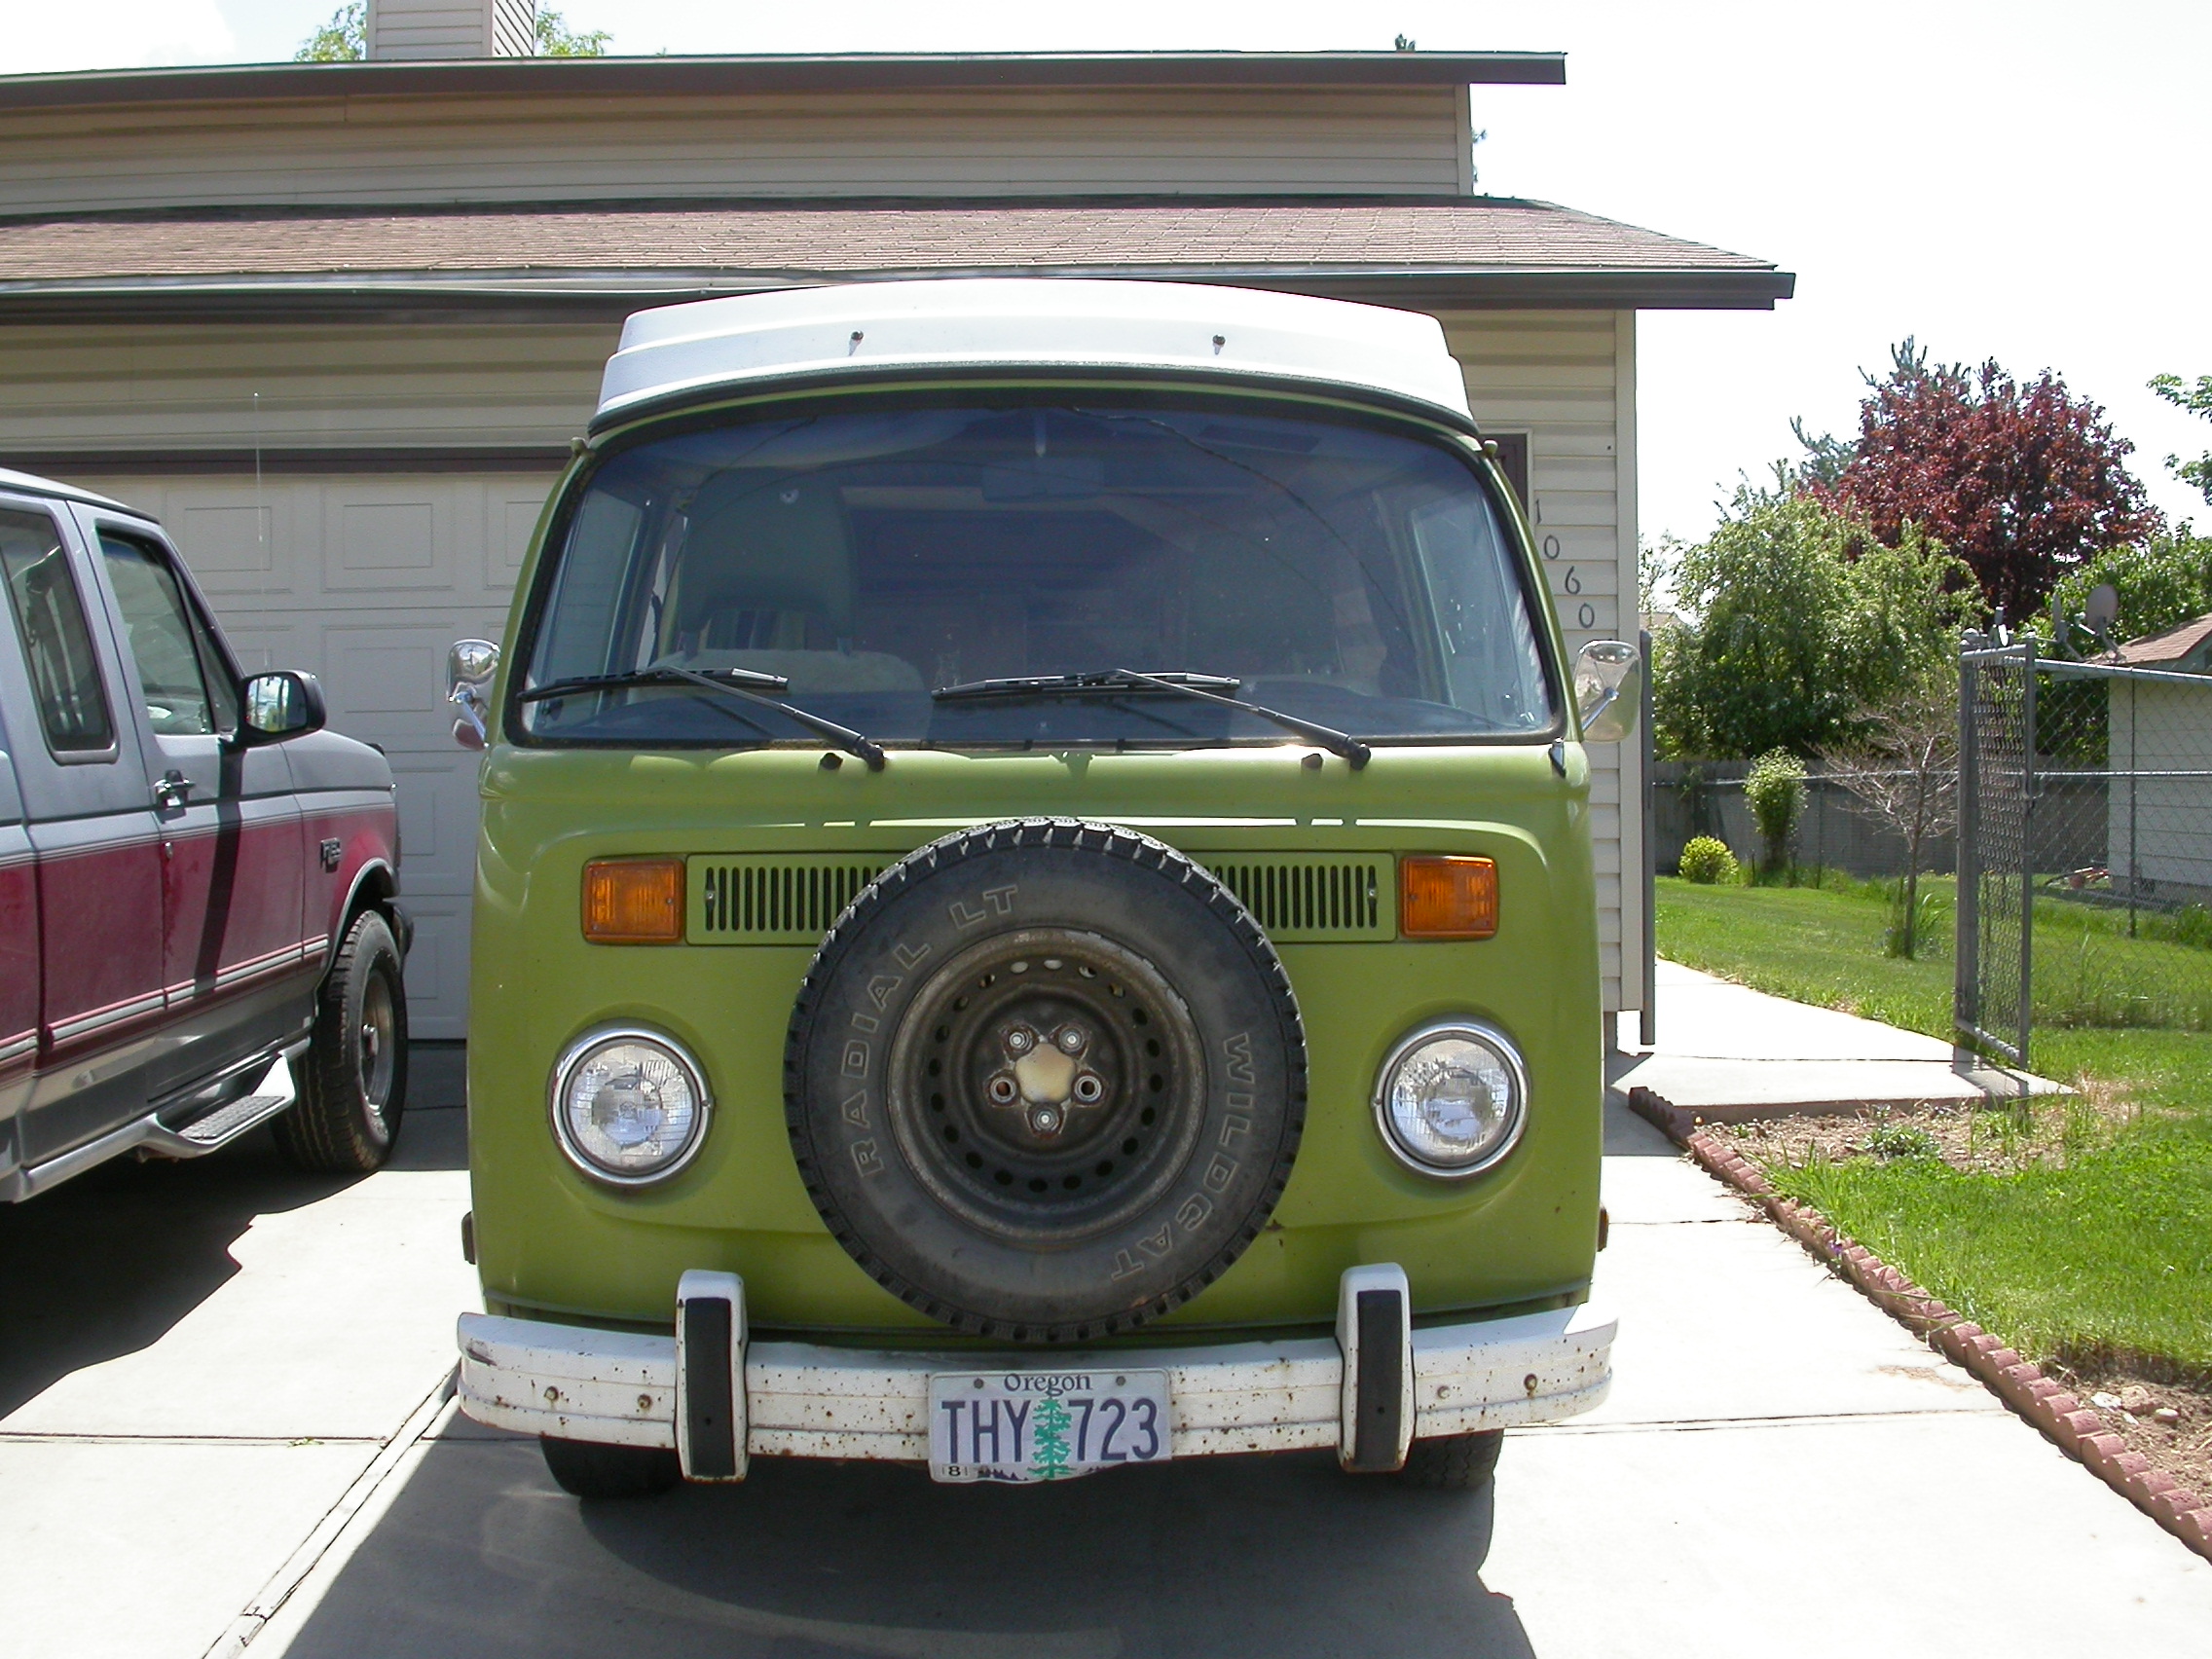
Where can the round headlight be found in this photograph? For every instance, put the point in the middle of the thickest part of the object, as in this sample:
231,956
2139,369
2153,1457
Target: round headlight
1452,1097
629,1106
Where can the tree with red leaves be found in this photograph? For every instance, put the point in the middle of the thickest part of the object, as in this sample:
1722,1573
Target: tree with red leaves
2023,482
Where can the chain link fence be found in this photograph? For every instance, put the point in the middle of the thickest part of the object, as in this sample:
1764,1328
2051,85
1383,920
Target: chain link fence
2084,822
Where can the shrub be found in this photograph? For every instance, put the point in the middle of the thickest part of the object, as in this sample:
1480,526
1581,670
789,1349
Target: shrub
1902,1140
1706,861
1775,793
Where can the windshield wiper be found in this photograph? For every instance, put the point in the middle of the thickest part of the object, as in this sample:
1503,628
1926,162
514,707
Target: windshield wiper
1122,682
745,682
659,676
1110,682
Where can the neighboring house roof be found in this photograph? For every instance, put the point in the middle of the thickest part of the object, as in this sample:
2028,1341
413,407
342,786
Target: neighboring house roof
679,352
2187,649
1434,252
808,73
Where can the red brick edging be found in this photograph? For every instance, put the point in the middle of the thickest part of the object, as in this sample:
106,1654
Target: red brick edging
2019,1383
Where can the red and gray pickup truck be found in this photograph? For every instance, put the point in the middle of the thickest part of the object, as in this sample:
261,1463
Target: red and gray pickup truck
199,928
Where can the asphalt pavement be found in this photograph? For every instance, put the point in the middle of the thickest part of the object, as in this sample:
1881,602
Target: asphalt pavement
221,1428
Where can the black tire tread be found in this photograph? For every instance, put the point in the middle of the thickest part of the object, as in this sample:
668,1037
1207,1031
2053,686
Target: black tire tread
1454,1462
609,1474
1116,841
325,1133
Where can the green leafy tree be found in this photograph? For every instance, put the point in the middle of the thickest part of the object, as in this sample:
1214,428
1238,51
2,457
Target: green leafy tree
2198,401
2162,584
1775,791
555,39
1795,622
345,39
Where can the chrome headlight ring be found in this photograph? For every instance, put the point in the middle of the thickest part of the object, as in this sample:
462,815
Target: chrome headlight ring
1446,1043
659,1089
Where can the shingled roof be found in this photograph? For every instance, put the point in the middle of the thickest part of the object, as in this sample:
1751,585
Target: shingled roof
1431,253
2183,647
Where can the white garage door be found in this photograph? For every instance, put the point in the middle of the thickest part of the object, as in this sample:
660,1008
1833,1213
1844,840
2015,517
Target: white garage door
365,580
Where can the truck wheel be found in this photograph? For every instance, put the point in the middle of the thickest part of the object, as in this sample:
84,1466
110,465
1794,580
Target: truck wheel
1044,1081
352,1080
1454,1462
600,1474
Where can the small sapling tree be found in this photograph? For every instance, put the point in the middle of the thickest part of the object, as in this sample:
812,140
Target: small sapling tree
1903,774
1775,791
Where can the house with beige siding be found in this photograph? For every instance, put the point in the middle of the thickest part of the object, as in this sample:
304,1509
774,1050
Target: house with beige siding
337,325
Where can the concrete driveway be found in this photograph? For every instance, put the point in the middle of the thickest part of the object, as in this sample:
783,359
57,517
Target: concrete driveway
219,1388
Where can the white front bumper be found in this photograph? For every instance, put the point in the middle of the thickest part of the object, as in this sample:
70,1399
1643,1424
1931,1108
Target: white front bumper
808,1400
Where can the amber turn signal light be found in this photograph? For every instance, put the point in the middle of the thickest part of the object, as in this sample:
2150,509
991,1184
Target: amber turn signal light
1446,897
634,900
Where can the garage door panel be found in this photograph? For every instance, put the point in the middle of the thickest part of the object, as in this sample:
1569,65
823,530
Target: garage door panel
513,517
390,538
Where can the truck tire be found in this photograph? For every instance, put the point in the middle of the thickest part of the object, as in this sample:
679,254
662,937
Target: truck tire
601,1474
1454,1462
1045,1079
352,1080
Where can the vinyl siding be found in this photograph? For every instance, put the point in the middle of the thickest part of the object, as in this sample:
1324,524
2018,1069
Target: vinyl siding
431,148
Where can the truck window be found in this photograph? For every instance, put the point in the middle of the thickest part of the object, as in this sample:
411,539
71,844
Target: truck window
57,647
187,691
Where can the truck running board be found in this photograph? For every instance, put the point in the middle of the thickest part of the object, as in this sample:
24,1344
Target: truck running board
149,1135
222,1125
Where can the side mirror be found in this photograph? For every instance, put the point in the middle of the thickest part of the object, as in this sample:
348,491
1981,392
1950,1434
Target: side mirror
470,668
281,705
1609,689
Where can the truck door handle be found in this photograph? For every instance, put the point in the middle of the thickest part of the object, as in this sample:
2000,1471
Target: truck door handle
173,792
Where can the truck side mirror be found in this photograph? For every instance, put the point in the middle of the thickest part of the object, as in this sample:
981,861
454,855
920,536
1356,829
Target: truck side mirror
281,705
470,668
1609,689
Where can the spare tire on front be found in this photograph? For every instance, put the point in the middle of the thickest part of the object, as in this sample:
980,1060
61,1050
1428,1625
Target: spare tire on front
1044,1081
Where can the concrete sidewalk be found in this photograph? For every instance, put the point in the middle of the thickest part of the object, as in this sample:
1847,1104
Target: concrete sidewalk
213,1408
1726,1051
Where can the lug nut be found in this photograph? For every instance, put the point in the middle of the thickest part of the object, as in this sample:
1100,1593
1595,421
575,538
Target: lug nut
1019,1041
1070,1039
1046,1119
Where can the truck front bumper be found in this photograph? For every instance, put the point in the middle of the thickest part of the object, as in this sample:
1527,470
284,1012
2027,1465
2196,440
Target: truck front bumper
810,1400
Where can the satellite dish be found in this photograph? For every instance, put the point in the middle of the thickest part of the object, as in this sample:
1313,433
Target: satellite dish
2103,609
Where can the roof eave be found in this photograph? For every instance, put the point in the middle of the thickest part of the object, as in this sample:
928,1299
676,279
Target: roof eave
811,72
602,293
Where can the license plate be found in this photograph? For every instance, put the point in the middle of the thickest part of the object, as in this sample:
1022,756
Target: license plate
1044,1425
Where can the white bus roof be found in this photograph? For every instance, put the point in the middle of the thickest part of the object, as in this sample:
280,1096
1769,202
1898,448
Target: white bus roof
1181,329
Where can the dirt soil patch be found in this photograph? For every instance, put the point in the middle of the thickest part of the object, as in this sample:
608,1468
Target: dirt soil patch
2045,1130
2169,1422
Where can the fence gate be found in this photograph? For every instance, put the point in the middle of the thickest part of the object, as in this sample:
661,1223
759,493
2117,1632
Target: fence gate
2084,817
1994,991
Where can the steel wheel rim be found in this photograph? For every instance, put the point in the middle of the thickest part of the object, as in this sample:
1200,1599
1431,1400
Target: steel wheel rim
1115,1155
377,1045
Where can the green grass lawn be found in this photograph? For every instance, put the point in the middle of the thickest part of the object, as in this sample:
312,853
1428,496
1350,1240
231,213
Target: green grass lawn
2098,1247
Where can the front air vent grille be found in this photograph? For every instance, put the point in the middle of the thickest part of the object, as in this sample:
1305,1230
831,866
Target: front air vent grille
793,898
790,899
1314,898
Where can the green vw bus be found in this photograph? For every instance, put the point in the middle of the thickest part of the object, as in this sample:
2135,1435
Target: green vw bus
1034,905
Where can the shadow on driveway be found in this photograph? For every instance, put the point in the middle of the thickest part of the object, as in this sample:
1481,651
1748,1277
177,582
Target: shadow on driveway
103,1265
481,1555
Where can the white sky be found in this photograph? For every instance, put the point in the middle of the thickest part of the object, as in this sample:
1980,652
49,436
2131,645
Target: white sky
2021,180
